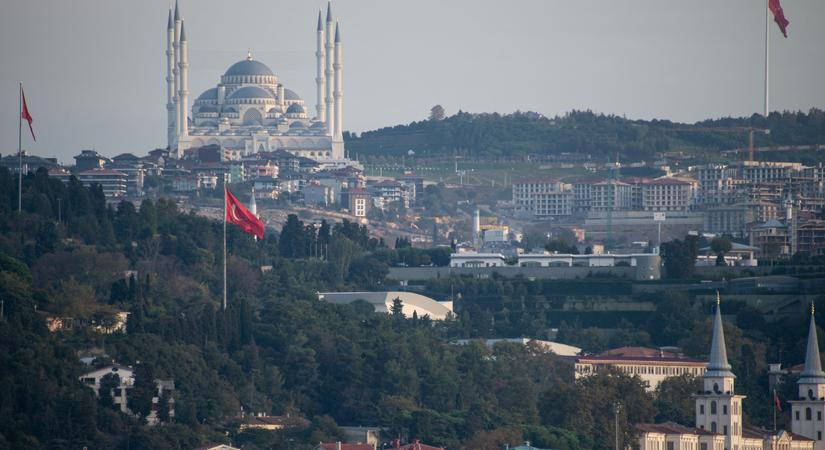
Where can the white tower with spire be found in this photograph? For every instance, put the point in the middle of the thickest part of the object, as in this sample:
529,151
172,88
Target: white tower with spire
320,78
171,118
176,72
338,93
718,408
328,71
183,93
807,412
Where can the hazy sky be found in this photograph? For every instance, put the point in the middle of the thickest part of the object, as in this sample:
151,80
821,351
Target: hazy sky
94,69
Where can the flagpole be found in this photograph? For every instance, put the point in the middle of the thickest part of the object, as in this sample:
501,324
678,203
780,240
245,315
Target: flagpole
20,151
224,247
767,53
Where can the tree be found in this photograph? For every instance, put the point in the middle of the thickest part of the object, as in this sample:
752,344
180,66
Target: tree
720,245
674,399
108,383
680,256
437,113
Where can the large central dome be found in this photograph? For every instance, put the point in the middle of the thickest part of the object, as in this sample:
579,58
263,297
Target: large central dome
248,67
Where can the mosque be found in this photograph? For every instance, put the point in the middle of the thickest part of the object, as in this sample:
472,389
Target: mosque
250,110
720,423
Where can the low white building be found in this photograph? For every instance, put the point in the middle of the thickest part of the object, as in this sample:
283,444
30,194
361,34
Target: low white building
383,302
475,259
120,394
555,347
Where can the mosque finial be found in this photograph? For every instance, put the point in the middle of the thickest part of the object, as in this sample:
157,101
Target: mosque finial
812,309
718,299
249,54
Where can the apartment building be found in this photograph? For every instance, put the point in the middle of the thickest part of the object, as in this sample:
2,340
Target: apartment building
667,194
542,198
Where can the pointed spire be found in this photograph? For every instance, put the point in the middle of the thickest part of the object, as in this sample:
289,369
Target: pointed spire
177,14
337,32
320,21
718,365
329,11
170,24
182,32
813,366
249,54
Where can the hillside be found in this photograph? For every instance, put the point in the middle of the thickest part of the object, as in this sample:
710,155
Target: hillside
518,135
278,350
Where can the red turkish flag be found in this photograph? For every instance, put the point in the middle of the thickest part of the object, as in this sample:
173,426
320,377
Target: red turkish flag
776,403
237,214
24,114
779,16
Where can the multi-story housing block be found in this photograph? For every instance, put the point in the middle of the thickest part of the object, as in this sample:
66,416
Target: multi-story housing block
667,194
542,198
113,182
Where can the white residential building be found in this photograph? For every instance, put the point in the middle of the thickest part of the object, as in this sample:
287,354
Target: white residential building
542,198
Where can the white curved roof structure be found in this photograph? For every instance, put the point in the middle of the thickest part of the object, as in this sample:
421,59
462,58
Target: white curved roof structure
382,301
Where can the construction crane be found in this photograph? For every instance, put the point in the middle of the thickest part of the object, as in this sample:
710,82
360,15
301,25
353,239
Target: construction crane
750,139
750,131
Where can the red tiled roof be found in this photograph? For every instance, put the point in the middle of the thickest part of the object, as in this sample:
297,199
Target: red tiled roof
344,446
418,446
666,181
637,352
652,359
537,180
672,428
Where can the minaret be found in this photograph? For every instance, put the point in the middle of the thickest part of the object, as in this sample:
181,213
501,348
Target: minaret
171,121
338,94
183,94
718,408
807,412
330,103
176,72
320,79
253,207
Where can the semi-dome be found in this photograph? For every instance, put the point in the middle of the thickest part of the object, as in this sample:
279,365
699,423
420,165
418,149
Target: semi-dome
209,94
295,108
248,67
251,92
318,126
289,94
296,124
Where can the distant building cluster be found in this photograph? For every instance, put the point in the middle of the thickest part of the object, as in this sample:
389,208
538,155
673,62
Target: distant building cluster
771,205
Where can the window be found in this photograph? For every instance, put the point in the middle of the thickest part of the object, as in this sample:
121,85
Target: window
818,435
797,416
703,446
701,409
725,409
819,416
713,407
713,427
725,430
670,445
807,413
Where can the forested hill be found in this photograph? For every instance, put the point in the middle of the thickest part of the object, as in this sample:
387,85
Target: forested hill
519,134
278,350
